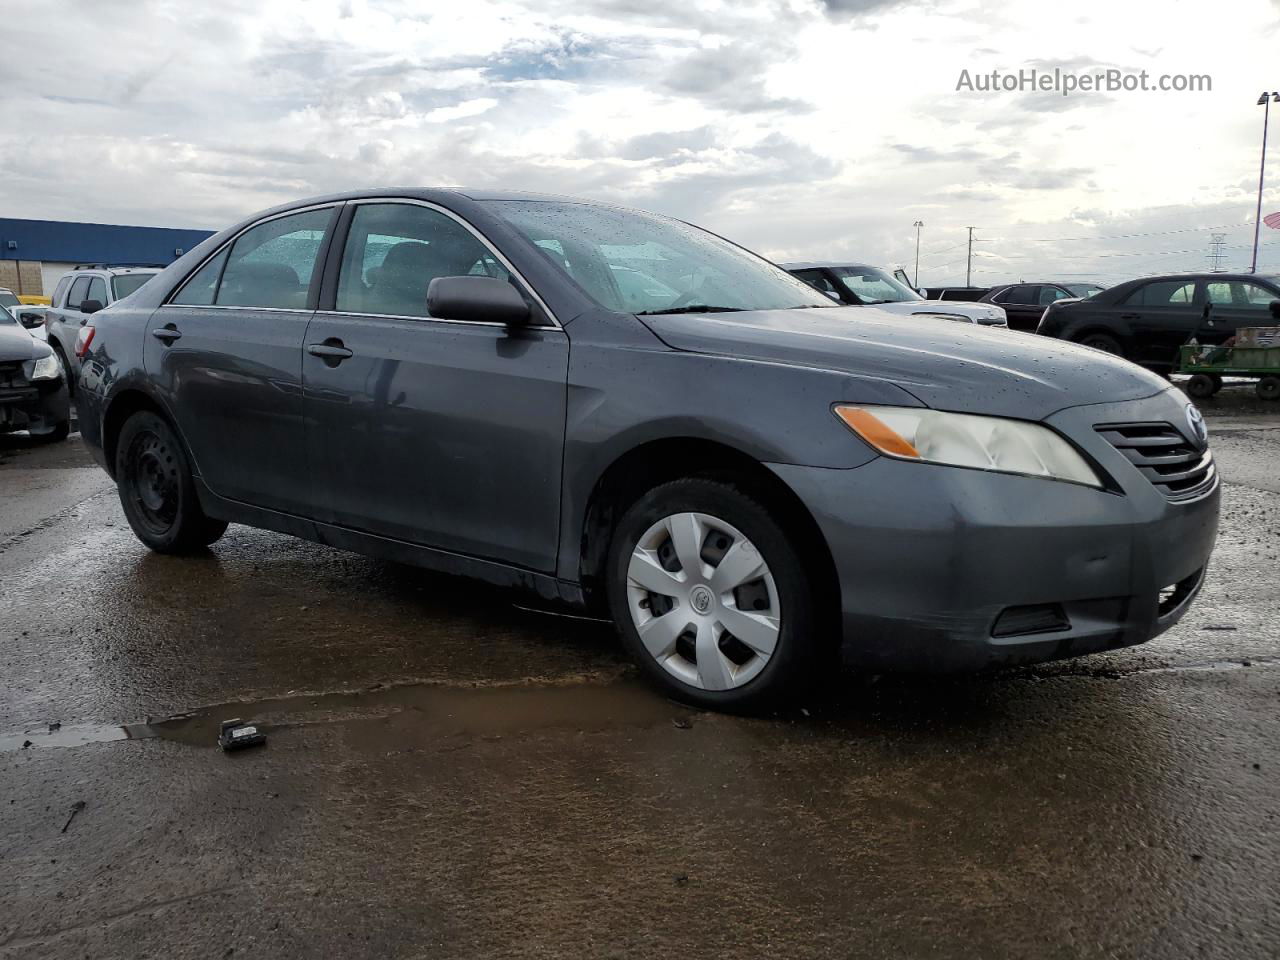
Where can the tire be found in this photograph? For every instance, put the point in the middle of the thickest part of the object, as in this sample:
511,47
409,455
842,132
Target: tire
66,367
1269,388
60,432
1202,386
1103,342
704,663
156,490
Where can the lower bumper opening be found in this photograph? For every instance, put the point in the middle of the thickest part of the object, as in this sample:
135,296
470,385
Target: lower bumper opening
1033,619
1176,594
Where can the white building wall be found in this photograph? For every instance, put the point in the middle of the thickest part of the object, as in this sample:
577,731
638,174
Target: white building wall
51,272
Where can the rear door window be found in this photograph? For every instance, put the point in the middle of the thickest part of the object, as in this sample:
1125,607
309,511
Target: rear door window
1018,294
79,291
1164,293
270,266
126,284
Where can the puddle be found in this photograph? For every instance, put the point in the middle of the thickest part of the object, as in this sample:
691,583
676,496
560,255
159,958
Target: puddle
415,710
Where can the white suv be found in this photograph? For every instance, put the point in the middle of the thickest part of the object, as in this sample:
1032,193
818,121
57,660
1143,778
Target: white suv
84,291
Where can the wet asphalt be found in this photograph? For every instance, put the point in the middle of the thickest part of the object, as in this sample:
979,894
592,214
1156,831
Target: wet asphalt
450,775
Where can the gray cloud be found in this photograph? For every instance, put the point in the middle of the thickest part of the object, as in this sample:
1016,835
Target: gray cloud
730,77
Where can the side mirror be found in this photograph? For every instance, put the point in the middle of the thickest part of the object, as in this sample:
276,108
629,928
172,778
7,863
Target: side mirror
90,306
484,299
31,320
1275,309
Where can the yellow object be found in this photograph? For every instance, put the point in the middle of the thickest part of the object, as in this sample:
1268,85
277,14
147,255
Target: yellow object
36,301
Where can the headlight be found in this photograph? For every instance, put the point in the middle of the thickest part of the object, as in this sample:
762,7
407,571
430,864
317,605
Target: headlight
46,368
963,440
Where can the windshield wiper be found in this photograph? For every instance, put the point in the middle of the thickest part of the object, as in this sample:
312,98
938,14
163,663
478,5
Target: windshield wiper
691,308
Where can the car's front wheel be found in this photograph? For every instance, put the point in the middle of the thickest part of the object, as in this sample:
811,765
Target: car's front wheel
712,597
156,490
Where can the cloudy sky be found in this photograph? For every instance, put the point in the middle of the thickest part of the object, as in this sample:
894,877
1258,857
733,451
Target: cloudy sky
802,128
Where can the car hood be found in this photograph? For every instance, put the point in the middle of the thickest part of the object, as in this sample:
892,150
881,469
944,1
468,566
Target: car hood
947,366
974,311
16,343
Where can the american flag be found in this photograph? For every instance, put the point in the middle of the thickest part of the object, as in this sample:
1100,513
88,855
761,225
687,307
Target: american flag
1272,220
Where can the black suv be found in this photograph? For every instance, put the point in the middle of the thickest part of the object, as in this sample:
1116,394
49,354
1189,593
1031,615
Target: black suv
1024,303
1147,320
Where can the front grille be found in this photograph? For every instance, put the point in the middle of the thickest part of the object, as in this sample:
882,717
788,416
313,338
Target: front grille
1164,456
14,386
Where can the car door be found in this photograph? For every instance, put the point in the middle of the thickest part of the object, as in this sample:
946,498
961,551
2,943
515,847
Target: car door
67,320
1161,316
227,351
433,431
1232,304
1021,303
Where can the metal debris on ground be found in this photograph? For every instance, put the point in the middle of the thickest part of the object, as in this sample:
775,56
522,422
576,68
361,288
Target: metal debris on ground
237,735
75,808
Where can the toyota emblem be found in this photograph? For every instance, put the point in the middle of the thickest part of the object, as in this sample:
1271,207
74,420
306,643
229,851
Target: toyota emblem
1195,420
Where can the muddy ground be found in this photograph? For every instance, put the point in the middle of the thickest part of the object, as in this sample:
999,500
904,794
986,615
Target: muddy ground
450,775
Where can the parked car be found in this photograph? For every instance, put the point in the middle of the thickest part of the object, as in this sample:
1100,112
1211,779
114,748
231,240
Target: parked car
744,475
78,295
8,299
33,390
859,284
1025,303
1147,320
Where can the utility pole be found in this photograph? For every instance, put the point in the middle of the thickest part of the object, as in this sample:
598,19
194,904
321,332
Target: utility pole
1215,251
916,282
1264,101
968,270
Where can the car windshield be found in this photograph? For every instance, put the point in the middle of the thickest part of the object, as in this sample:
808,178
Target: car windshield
125,284
8,299
1083,289
634,262
872,285
6,316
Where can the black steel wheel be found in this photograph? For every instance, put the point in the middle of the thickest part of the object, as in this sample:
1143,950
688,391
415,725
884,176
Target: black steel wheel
156,491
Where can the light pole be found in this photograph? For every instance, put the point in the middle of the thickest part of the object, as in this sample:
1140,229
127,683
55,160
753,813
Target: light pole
918,224
1264,101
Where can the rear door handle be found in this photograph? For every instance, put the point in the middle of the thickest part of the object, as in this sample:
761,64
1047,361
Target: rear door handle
1128,316
168,333
331,349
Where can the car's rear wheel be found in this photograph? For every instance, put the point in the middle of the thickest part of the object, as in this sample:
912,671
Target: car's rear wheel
1269,388
1103,342
156,490
711,596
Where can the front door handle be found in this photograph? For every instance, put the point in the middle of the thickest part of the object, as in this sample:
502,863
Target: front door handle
331,351
168,333
1128,316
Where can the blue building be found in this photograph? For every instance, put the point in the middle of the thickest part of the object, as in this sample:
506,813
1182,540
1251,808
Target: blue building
35,253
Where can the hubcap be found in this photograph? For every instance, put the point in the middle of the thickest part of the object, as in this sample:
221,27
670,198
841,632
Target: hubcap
703,601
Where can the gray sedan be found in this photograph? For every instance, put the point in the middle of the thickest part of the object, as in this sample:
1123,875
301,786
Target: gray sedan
626,413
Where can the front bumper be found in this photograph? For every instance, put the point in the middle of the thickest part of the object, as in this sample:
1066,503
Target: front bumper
35,406
930,557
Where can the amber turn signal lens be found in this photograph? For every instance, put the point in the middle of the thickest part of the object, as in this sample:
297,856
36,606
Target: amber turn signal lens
876,432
